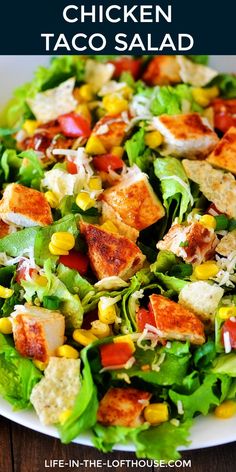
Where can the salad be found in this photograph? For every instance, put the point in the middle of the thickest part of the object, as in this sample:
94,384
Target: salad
118,248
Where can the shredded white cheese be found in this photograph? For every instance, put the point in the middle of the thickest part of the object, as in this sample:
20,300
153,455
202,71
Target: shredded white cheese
227,343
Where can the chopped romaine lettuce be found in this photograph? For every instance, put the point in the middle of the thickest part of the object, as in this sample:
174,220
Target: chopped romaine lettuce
18,375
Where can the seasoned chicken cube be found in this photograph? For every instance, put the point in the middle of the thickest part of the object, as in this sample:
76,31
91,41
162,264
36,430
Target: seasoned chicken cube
134,200
56,392
173,321
111,130
24,206
224,155
194,243
125,230
227,244
123,407
216,185
37,332
188,135
162,70
5,229
201,298
111,254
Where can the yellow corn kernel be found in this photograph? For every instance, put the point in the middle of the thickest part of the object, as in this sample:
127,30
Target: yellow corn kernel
226,312
84,337
40,365
208,221
206,270
86,92
84,201
5,326
30,126
117,151
156,413
67,351
51,199
94,146
153,139
212,92
114,104
64,415
204,96
56,251
63,240
5,292
41,280
226,410
109,226
95,183
125,339
83,110
99,329
106,313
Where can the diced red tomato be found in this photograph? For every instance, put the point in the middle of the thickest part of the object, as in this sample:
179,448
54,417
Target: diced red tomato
145,317
71,167
115,354
230,327
105,162
74,126
224,113
127,64
75,260
21,272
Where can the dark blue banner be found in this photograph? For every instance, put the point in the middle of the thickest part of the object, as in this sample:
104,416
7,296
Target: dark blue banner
124,27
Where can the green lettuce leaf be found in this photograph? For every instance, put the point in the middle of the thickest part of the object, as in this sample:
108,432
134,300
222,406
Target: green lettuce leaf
74,282
174,185
226,84
32,173
16,244
161,442
10,164
83,415
201,400
165,260
225,364
171,371
70,304
137,151
18,375
105,437
170,283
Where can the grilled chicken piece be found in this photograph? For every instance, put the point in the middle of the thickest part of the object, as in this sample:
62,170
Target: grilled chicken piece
173,321
186,135
134,200
38,332
194,243
123,407
162,70
217,186
57,390
111,254
108,213
224,155
5,229
111,130
25,206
